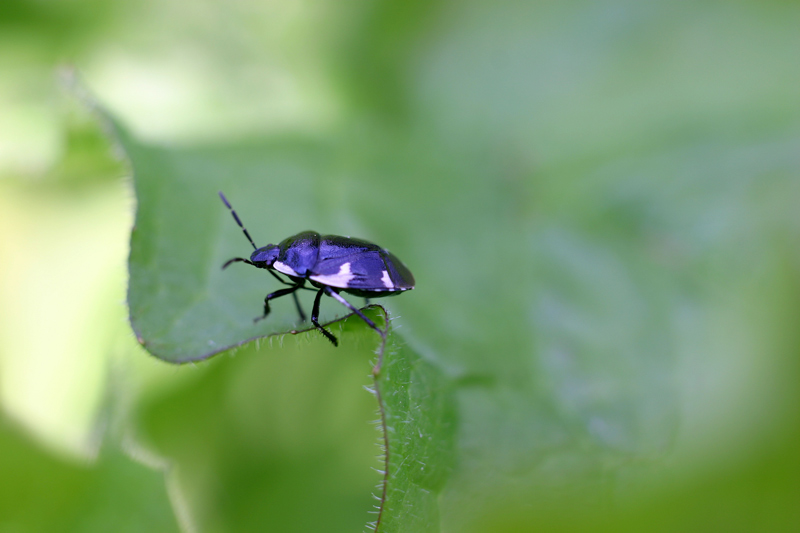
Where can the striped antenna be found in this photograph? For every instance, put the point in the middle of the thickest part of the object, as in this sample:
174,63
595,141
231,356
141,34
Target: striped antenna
236,218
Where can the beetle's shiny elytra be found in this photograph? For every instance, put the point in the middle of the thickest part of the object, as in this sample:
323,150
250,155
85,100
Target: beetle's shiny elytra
331,264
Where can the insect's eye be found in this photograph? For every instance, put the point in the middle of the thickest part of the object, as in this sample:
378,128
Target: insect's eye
267,254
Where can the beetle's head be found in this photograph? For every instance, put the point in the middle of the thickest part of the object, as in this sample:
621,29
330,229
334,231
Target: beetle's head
265,256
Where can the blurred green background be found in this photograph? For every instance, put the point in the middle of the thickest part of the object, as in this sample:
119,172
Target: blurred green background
599,202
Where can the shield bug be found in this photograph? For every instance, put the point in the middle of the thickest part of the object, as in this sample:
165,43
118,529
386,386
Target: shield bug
330,264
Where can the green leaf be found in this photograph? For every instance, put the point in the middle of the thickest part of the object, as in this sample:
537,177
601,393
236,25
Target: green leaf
183,307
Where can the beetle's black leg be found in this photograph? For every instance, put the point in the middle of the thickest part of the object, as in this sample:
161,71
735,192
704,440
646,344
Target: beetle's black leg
290,283
299,283
236,260
366,301
297,304
272,296
332,293
315,319
276,276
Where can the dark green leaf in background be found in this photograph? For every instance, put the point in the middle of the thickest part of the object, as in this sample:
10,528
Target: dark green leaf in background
46,493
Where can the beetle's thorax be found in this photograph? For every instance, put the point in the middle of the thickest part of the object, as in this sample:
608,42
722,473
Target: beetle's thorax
298,254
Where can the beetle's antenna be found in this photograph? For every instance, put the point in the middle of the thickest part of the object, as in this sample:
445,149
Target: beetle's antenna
236,218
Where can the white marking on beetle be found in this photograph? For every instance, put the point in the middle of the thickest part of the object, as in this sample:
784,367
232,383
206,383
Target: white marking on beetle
340,279
284,268
387,281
